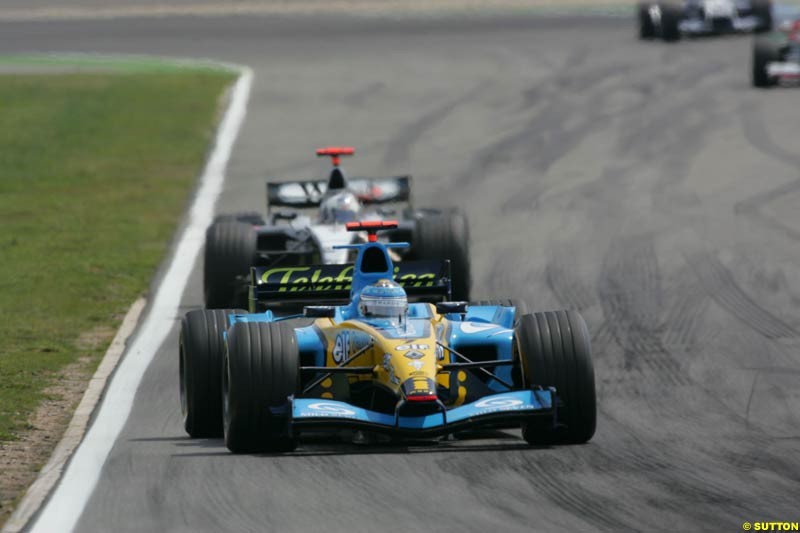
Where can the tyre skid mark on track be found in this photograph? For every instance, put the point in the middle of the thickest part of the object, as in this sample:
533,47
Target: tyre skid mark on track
777,395
596,508
752,207
760,456
661,124
723,288
670,153
691,490
552,476
545,130
632,299
685,316
570,291
481,475
757,135
398,148
557,141
575,59
356,98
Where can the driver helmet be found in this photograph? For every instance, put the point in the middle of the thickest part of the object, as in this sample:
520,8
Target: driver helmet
383,299
339,208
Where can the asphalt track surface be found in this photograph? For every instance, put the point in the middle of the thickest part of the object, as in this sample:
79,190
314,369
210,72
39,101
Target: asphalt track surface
646,185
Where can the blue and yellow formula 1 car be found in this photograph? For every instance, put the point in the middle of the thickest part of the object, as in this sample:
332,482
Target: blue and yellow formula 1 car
378,364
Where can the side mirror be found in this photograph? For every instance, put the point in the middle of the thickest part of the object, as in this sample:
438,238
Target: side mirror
319,311
444,308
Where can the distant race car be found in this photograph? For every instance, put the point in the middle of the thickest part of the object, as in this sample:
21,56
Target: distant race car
298,236
776,57
377,364
669,19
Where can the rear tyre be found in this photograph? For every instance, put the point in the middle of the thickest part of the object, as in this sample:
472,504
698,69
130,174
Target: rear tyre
555,350
200,368
253,218
229,254
763,10
446,236
764,52
260,371
671,14
646,28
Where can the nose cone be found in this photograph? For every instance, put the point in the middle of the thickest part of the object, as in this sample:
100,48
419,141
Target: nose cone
419,389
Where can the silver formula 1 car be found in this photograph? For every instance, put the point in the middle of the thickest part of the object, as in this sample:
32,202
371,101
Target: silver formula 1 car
670,19
776,57
305,225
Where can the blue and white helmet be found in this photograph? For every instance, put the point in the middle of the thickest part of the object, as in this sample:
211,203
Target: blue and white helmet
383,299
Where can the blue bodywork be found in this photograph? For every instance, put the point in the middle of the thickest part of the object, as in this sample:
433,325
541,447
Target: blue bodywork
508,407
488,328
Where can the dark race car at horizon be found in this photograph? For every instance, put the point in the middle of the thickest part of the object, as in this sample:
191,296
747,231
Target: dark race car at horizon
671,19
776,57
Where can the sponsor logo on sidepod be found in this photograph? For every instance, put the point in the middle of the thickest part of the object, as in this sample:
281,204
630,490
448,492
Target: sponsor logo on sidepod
329,409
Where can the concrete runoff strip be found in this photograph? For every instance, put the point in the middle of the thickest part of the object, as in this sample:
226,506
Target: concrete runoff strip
51,472
66,503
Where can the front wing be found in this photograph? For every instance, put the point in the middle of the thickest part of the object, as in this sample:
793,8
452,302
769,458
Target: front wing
508,409
785,71
703,26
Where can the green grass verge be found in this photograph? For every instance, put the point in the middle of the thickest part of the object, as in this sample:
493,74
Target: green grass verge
95,172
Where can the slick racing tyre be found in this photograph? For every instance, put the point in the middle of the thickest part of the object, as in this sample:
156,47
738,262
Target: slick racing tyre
200,367
229,254
765,51
260,371
248,217
555,350
763,10
446,236
671,13
647,29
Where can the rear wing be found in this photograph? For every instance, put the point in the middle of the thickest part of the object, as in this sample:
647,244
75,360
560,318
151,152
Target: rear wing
309,193
427,281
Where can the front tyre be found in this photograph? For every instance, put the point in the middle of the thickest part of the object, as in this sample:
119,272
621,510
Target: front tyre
200,369
555,350
765,51
647,29
671,14
260,372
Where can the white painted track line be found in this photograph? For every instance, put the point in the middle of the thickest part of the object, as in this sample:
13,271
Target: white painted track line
51,472
67,502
